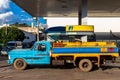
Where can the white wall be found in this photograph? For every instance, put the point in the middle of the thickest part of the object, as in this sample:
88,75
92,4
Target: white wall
101,24
105,24
61,21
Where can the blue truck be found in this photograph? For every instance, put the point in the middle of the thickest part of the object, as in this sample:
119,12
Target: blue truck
82,54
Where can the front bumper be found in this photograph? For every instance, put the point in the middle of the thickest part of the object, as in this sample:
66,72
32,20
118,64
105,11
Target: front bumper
9,62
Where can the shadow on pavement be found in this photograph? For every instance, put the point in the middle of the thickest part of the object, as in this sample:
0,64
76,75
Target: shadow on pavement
4,66
2,58
109,67
68,66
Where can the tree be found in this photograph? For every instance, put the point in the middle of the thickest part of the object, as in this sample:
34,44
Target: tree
10,34
23,25
16,24
20,24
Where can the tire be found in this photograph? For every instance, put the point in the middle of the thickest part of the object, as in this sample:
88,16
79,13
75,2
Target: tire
20,64
85,65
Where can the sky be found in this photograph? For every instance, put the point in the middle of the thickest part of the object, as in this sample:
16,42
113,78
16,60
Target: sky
11,13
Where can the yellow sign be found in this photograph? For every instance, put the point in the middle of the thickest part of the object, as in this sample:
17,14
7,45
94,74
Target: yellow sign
80,28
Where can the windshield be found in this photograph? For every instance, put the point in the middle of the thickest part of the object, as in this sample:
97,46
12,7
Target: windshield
69,37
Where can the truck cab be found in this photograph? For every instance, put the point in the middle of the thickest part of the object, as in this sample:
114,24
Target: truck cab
38,54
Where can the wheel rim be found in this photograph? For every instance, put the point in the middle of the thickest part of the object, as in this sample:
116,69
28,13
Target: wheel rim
85,65
19,64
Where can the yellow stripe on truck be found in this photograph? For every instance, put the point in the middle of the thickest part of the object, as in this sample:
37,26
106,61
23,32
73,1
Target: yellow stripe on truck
86,55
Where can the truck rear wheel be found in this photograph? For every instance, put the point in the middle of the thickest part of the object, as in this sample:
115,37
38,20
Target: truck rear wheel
20,64
85,65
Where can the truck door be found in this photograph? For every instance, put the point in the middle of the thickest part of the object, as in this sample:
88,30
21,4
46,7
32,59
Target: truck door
41,54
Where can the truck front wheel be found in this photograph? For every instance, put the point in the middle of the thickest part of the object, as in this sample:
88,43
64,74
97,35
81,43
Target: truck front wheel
20,64
85,65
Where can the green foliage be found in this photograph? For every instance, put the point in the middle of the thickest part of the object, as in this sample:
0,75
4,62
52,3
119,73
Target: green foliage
10,34
20,24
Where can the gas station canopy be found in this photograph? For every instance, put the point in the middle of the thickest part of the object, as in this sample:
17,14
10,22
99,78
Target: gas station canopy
69,8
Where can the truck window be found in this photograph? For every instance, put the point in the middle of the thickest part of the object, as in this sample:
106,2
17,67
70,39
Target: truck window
41,47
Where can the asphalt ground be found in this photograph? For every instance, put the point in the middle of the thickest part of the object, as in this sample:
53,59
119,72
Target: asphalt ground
7,72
